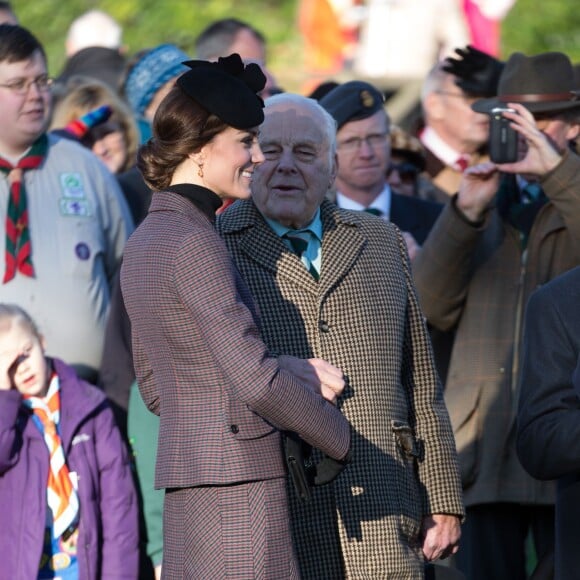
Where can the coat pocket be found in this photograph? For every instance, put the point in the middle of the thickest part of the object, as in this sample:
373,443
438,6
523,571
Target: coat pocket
243,423
408,452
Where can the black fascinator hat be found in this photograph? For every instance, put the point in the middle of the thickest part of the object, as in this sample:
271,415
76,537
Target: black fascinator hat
227,88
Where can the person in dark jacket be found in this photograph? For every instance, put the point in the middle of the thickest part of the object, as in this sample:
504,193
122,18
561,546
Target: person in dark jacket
548,440
68,503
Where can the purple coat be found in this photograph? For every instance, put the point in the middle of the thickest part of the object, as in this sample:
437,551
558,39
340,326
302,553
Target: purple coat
108,529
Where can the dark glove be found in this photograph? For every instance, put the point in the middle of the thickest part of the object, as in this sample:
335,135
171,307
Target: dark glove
477,72
306,474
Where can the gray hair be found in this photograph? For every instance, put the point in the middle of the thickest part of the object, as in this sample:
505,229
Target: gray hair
329,123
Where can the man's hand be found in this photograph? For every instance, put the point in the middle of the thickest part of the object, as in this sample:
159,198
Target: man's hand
440,534
539,154
477,189
319,375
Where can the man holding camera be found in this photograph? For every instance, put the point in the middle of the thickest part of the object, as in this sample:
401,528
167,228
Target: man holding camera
511,228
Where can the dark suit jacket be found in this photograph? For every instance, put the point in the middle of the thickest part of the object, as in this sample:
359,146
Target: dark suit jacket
548,441
414,215
410,214
200,362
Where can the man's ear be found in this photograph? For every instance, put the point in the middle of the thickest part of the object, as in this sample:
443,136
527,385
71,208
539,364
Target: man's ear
573,132
333,171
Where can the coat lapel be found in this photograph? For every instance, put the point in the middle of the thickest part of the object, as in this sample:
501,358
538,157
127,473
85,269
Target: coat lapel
261,245
342,245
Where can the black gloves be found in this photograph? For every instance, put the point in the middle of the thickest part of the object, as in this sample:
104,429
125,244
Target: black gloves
477,72
306,474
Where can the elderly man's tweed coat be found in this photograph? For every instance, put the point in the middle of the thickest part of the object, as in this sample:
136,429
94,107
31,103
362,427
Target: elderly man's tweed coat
478,281
362,316
201,365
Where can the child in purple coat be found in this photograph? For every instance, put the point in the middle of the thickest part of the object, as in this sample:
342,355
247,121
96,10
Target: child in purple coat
67,499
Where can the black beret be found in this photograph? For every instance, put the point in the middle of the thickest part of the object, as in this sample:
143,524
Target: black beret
352,101
227,88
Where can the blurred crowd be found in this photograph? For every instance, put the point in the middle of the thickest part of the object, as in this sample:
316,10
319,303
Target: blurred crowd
484,238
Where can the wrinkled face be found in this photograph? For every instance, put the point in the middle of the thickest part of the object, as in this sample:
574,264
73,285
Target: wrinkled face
23,348
24,116
298,169
451,116
364,151
111,149
229,161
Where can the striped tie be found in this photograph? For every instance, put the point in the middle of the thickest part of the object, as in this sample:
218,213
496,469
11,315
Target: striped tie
18,250
62,498
299,240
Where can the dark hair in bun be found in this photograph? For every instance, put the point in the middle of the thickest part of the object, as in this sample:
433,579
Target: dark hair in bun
180,127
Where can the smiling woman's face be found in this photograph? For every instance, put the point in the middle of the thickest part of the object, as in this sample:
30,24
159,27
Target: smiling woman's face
229,161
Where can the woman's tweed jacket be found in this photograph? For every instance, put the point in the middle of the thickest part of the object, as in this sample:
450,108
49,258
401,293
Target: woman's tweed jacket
478,281
199,360
363,317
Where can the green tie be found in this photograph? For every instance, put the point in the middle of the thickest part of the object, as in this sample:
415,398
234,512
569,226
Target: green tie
299,240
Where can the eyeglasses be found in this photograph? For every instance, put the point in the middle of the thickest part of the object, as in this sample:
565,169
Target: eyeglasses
407,171
22,86
374,141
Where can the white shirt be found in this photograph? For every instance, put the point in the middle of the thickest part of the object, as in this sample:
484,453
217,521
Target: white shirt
382,202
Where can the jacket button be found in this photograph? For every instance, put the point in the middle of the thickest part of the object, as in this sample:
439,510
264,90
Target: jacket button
324,326
234,429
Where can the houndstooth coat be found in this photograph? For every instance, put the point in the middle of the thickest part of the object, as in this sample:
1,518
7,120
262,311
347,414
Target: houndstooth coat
362,316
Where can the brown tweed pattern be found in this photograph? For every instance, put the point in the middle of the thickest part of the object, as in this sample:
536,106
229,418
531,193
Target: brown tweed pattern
200,362
210,540
201,365
363,317
477,281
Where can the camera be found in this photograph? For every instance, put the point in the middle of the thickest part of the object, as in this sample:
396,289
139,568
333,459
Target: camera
503,140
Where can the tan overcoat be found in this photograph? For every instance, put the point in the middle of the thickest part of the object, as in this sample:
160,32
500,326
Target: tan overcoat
363,316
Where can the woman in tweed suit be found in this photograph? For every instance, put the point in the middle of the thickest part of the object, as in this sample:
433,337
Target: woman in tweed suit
199,360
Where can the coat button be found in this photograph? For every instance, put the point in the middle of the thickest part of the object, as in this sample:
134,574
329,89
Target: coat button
324,326
234,429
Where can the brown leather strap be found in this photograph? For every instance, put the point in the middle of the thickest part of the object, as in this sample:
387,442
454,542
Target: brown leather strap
548,97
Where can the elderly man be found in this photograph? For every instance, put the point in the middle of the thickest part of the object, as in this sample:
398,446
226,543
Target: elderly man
337,284
494,243
65,219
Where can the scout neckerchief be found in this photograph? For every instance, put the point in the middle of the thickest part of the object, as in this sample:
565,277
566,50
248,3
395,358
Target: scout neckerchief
18,251
62,497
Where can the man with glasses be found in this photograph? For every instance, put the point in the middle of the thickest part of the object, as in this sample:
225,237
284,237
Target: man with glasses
364,156
64,222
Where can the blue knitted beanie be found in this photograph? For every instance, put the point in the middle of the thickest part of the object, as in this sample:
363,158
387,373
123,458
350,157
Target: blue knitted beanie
157,67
